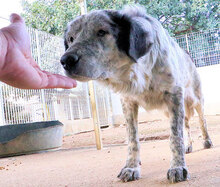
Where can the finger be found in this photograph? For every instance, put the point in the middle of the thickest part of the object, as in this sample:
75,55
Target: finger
59,81
15,18
52,80
57,75
56,81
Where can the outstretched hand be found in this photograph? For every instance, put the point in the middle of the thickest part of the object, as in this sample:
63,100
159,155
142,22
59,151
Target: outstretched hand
17,66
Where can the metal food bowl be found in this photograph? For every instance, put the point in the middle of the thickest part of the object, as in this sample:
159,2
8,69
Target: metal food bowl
30,137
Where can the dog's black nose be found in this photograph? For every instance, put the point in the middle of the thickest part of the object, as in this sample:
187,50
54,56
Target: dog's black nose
69,60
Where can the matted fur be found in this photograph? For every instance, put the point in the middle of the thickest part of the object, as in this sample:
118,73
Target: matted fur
130,52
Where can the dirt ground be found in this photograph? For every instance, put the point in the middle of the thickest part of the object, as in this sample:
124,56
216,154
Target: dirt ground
78,163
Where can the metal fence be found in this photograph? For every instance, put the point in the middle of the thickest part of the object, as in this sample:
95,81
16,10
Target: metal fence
204,47
22,106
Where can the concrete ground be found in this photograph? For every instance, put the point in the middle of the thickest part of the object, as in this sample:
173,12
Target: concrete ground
75,167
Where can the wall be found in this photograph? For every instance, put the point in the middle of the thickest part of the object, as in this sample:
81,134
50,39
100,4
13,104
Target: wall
210,77
77,126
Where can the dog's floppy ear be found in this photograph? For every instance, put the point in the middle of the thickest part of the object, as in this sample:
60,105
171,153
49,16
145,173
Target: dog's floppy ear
65,41
130,36
139,45
65,44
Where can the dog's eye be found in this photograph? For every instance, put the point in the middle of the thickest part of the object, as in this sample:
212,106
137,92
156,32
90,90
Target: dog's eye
101,33
71,39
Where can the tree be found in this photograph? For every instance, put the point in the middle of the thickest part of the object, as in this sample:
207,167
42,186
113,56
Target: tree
181,17
50,16
177,16
107,4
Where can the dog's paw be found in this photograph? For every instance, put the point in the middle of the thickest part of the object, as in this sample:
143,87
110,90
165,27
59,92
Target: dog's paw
177,174
207,144
188,149
129,174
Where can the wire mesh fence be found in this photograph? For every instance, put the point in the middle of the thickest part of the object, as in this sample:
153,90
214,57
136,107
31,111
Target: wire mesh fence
23,106
204,47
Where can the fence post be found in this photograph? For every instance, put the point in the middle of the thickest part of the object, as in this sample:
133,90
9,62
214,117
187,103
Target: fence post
109,106
39,63
187,42
71,108
95,116
92,94
55,108
2,113
44,105
88,100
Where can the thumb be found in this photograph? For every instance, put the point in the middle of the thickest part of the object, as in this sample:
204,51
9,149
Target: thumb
15,18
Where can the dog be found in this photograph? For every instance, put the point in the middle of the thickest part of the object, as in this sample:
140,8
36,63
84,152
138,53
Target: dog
130,52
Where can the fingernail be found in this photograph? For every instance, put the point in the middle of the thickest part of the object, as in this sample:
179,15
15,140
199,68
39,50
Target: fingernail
71,84
74,83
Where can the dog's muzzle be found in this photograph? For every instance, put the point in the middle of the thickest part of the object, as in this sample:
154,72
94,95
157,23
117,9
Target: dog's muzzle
68,61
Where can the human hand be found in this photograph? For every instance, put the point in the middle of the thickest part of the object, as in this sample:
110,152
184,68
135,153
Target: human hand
17,66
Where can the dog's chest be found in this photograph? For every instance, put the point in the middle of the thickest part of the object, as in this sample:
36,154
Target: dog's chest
150,100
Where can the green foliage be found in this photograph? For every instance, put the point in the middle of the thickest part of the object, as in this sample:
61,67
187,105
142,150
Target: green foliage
177,16
50,16
184,16
107,4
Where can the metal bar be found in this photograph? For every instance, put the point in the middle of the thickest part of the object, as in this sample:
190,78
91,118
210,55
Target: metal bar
87,100
109,104
187,42
39,63
10,107
4,18
71,108
2,112
5,99
44,104
16,99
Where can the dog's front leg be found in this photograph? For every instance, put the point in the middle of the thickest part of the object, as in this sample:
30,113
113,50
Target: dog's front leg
175,101
131,171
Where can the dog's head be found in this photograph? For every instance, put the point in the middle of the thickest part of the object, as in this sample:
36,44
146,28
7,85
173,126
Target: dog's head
102,42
